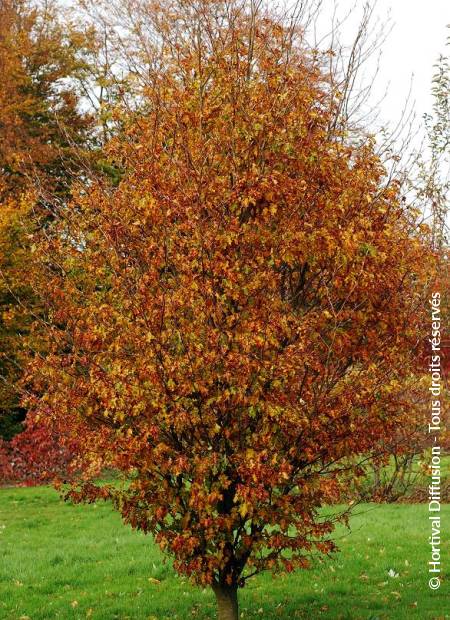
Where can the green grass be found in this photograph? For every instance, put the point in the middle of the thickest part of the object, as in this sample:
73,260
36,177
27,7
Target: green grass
63,561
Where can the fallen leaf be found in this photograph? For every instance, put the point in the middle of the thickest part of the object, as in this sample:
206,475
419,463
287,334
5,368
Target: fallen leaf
153,580
392,573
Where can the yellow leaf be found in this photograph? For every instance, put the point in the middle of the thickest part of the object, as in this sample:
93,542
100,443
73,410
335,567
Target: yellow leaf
243,509
153,580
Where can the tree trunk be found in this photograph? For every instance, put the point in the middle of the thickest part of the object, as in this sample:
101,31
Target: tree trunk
227,602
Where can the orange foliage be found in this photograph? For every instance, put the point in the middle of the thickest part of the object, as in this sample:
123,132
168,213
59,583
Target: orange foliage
41,128
39,117
235,324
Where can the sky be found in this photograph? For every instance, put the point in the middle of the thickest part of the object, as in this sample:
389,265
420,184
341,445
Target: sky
413,46
416,36
411,35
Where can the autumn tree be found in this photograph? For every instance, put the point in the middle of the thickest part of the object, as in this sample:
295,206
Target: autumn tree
429,185
42,58
234,324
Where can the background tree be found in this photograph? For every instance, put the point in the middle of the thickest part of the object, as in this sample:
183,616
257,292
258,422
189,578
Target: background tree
429,185
42,56
234,325
434,180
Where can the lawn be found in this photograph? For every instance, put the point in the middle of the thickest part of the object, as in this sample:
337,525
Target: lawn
65,561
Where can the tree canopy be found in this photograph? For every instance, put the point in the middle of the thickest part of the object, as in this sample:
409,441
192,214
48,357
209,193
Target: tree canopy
41,130
234,323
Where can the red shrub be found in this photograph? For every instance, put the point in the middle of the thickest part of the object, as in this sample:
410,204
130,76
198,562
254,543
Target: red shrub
35,456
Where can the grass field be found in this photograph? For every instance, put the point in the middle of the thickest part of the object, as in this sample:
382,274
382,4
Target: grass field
63,561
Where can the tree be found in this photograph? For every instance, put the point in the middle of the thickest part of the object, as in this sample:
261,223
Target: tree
234,324
430,185
35,456
433,183
41,130
41,57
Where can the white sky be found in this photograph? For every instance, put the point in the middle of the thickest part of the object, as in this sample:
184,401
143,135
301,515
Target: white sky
417,32
417,38
415,43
